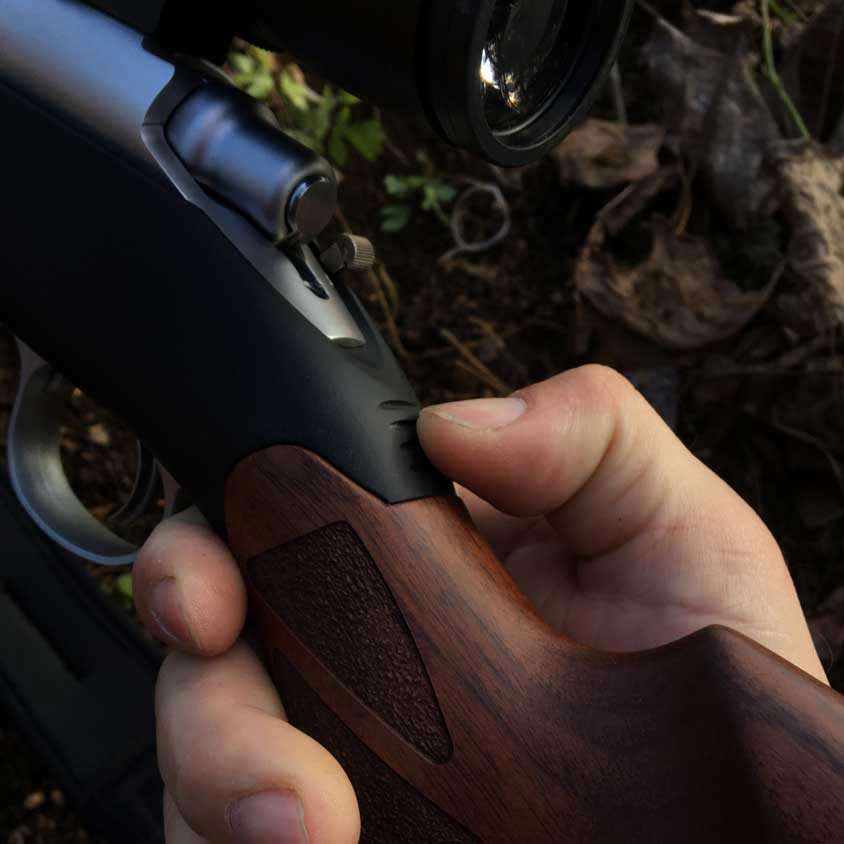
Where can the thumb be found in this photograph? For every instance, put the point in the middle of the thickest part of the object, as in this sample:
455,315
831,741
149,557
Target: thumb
587,451
645,522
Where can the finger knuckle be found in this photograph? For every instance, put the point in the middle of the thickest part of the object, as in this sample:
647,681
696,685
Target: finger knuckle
604,387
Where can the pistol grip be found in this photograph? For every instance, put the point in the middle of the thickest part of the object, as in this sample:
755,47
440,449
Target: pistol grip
399,642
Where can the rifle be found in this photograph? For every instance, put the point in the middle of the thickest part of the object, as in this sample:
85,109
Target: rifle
147,198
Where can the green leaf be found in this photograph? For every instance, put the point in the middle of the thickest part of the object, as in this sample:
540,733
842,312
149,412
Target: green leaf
320,119
429,198
296,92
396,185
266,59
445,193
124,586
343,118
305,138
242,63
395,217
338,152
436,194
261,86
367,137
345,98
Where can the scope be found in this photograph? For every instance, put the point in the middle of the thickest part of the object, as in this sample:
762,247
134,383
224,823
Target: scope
504,79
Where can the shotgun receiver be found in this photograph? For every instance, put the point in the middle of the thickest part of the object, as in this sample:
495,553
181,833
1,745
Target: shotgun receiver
161,249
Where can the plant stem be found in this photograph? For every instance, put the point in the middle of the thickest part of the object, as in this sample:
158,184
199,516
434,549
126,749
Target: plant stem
781,13
773,75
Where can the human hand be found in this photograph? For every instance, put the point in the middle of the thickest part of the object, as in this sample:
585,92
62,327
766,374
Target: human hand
618,535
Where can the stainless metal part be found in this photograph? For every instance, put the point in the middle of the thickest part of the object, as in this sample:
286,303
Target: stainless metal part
175,498
311,207
232,145
39,481
349,251
83,66
328,313
145,492
358,252
101,77
36,472
332,259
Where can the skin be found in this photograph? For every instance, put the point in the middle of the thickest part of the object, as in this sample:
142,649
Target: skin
620,537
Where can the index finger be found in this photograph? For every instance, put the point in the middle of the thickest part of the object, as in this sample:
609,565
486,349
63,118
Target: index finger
188,588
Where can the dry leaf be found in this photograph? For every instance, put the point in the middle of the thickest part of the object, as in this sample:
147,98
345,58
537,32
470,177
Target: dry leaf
812,184
660,385
725,33
813,71
34,801
710,100
602,154
99,435
677,295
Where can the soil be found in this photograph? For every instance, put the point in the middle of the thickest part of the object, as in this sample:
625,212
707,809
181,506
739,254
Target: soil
490,323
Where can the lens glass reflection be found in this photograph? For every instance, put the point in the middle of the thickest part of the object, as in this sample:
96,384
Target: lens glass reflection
524,63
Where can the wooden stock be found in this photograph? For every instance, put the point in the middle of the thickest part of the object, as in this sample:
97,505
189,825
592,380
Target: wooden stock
398,640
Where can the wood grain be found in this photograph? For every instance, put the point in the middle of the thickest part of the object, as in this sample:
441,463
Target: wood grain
711,738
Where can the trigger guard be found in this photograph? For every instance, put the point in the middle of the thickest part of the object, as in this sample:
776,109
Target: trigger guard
146,489
37,474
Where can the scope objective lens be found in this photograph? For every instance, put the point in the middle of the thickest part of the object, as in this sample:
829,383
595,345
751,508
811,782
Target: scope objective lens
525,61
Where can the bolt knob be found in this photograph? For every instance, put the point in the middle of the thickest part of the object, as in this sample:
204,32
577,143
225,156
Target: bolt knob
358,252
350,252
311,208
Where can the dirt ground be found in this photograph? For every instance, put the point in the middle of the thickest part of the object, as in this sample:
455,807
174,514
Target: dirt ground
753,382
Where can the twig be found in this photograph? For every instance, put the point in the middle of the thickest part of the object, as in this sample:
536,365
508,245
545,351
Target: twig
773,74
389,322
618,94
506,335
390,286
797,11
480,369
799,355
456,223
781,13
685,205
489,329
649,9
482,376
395,150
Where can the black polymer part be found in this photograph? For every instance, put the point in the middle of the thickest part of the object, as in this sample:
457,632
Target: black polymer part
196,27
200,27
370,47
142,15
455,34
140,300
79,682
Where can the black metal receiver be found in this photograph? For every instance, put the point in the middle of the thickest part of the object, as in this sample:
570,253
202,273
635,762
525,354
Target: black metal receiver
161,249
224,332
142,182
